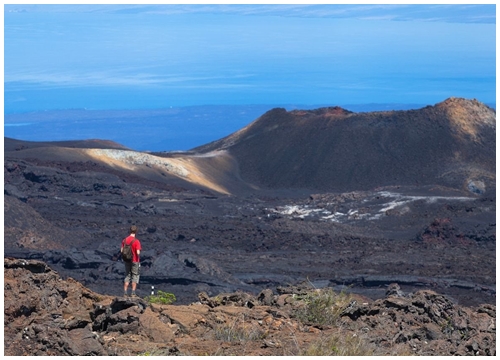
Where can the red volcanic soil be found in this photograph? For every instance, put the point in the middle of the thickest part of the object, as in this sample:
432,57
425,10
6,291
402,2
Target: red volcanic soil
47,315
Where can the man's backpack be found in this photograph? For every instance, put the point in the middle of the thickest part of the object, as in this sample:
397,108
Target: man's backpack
127,254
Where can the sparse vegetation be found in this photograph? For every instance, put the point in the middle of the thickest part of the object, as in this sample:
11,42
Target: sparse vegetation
156,352
348,344
238,331
322,307
161,298
162,351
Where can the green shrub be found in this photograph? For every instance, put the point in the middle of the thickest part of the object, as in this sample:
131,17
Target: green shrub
339,345
238,331
157,352
161,298
322,307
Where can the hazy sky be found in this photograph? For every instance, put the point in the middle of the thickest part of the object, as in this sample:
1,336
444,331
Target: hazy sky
156,56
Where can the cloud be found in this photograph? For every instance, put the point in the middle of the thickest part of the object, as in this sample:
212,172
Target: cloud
48,80
485,13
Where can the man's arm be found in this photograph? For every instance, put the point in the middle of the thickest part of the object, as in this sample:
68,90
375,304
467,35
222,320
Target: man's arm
118,255
139,247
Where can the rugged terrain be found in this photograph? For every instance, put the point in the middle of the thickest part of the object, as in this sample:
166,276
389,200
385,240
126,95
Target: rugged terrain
46,315
352,201
332,149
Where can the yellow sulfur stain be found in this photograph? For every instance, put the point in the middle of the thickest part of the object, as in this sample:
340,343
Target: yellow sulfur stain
185,168
468,117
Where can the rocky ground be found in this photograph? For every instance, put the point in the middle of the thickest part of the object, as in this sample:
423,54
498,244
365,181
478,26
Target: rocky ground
46,315
73,216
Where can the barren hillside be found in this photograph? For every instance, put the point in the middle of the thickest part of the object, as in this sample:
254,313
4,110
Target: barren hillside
330,149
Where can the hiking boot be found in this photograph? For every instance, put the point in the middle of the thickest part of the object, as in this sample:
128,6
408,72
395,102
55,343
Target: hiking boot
133,295
125,295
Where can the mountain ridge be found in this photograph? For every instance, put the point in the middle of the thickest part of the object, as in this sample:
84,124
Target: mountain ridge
450,144
334,149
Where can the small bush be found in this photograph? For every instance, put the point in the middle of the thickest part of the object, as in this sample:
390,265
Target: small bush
161,298
155,351
322,307
339,345
238,332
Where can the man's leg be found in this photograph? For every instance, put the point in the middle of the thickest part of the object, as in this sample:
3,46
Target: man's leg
128,277
135,277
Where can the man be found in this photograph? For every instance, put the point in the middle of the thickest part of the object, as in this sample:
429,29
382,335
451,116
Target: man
131,267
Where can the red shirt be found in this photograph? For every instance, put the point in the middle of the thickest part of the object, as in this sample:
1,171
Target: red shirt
135,246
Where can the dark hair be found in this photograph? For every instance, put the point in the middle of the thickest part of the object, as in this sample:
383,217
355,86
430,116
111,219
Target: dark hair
133,229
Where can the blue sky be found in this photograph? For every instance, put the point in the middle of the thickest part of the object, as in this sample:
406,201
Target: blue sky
156,56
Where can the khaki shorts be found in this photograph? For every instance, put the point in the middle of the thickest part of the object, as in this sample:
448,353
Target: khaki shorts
132,272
